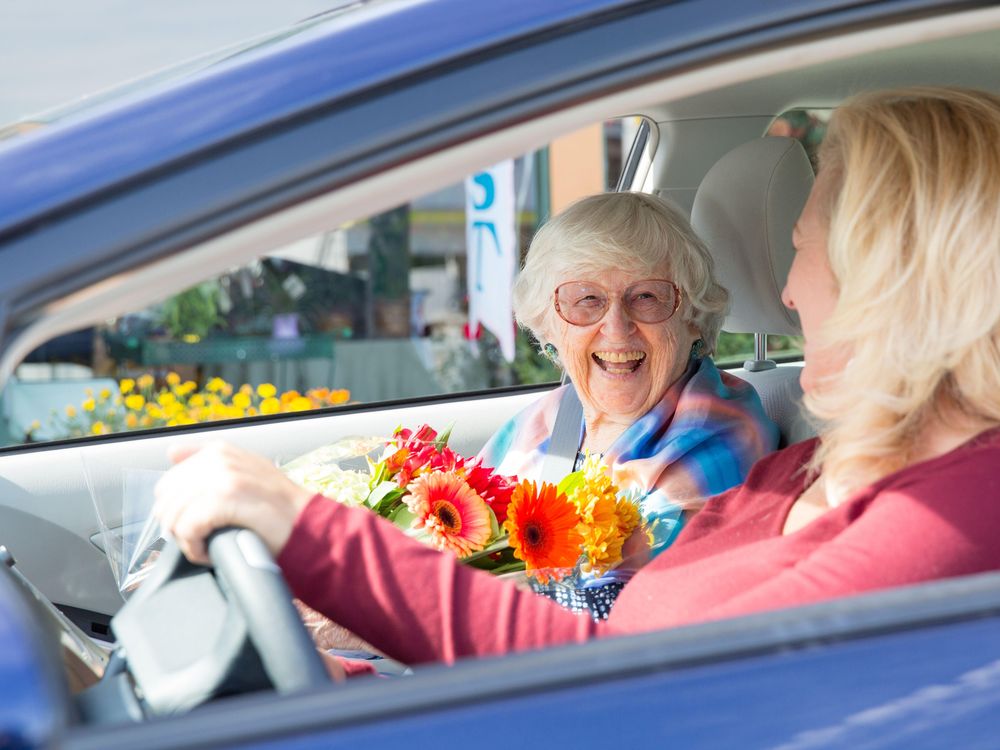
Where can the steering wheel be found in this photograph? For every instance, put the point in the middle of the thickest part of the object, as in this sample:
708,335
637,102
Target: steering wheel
190,633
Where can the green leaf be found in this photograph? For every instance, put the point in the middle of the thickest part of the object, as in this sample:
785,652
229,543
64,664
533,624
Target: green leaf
570,482
497,546
511,567
378,477
402,516
442,439
384,496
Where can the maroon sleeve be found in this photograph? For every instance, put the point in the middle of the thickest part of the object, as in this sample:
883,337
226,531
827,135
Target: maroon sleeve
927,531
412,602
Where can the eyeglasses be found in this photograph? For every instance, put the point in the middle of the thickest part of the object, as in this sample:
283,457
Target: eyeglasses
583,303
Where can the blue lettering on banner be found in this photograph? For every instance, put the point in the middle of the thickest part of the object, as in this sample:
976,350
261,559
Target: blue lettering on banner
485,181
479,227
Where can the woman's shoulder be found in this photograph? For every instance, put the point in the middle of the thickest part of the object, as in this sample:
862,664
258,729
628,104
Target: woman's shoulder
970,471
789,461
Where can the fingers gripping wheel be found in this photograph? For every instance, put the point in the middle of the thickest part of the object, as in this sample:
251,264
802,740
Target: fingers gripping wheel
192,633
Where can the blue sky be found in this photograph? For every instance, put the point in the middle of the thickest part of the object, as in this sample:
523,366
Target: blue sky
56,51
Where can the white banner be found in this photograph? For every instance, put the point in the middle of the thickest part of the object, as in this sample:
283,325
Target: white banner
491,242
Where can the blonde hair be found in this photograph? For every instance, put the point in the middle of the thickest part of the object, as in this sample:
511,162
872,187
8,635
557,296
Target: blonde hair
913,202
635,232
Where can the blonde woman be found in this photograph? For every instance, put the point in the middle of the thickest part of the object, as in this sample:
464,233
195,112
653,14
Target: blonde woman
895,280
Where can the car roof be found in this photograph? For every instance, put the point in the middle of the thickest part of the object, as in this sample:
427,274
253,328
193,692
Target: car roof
372,44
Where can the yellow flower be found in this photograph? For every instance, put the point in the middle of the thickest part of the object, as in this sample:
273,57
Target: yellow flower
270,406
71,412
166,399
88,404
105,394
241,400
266,390
135,401
145,381
131,420
247,389
215,385
154,411
88,392
126,386
190,338
227,390
197,400
186,387
301,403
173,379
35,425
596,500
98,428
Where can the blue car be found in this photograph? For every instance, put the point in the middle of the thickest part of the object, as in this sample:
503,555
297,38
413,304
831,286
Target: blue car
287,214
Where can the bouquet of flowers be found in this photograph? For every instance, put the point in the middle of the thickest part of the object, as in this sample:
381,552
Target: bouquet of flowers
487,520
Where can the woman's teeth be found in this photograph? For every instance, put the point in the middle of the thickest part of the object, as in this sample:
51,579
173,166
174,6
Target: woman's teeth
619,363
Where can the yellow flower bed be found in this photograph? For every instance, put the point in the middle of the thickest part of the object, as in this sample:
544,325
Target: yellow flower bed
142,404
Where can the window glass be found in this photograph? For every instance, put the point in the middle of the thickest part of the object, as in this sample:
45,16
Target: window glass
375,310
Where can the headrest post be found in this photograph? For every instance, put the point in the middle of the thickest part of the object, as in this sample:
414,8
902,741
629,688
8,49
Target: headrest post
760,362
760,346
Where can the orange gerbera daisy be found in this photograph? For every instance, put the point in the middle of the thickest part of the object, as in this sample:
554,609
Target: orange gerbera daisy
542,525
457,519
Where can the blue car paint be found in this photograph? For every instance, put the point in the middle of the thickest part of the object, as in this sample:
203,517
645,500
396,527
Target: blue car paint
350,53
32,704
54,168
930,688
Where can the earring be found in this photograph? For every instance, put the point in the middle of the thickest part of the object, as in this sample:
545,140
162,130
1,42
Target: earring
550,353
698,349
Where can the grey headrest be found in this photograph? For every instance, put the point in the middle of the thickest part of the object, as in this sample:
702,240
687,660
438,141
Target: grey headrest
745,210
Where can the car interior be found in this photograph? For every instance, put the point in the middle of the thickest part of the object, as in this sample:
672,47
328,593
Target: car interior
743,189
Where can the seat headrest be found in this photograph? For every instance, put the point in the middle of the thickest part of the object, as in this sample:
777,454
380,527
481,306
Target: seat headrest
745,210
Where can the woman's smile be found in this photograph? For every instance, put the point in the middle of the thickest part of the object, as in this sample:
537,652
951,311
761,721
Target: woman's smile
619,363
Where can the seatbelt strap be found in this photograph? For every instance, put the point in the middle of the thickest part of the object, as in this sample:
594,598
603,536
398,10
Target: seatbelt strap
565,441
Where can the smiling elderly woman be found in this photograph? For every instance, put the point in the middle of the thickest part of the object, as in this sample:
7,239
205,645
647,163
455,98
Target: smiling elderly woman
620,290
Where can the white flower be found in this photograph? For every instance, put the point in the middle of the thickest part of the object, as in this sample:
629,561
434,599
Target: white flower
344,486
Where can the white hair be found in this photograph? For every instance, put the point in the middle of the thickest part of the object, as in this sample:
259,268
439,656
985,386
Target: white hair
634,232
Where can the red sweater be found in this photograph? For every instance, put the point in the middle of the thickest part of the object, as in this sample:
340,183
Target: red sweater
935,519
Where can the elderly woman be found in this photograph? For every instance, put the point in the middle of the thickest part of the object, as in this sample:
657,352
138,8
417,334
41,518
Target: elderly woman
898,257
619,290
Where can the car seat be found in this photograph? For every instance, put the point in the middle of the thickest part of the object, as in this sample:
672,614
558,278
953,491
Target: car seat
745,210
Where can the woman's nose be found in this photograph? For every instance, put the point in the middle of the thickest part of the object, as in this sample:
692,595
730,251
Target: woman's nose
786,298
616,320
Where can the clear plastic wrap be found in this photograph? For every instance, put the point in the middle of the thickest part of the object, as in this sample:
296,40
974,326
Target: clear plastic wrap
130,535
